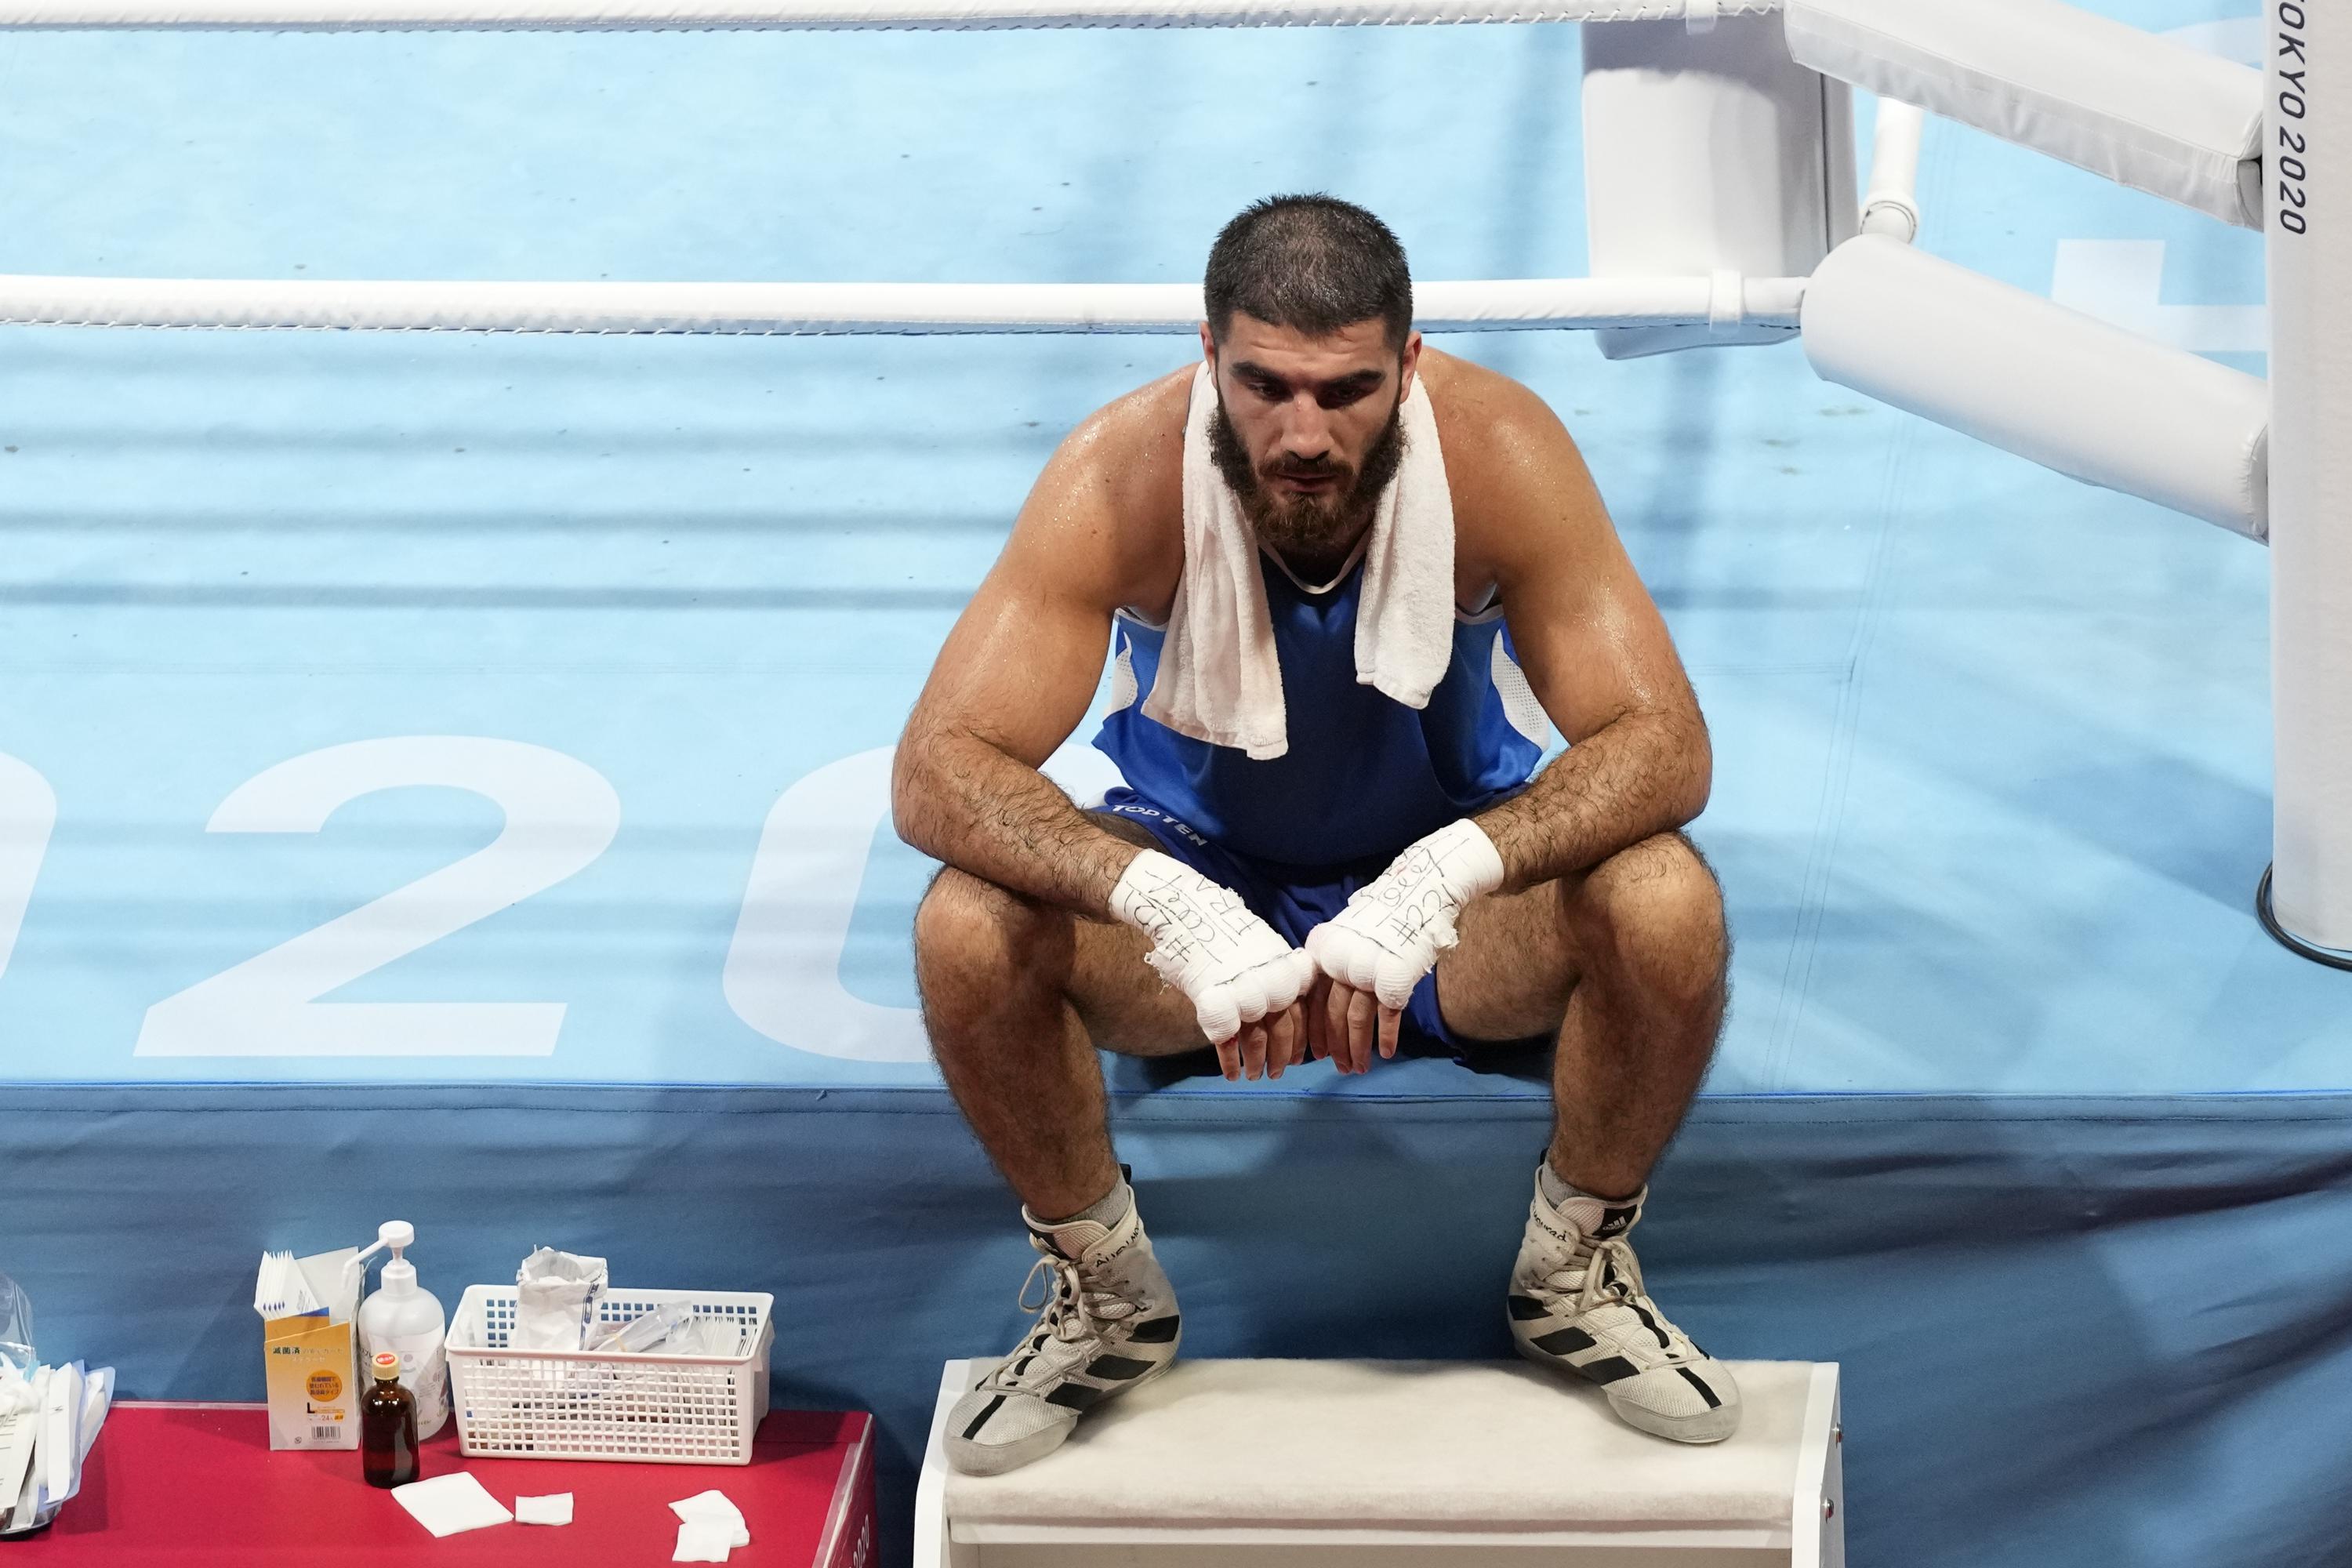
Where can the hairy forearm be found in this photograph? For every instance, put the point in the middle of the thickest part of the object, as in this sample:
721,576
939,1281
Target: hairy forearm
959,798
1642,773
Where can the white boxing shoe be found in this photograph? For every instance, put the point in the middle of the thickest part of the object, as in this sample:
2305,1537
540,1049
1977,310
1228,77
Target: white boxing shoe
1577,1304
1110,1325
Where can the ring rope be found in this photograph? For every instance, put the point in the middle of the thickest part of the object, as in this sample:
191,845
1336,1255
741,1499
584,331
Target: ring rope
573,15
827,309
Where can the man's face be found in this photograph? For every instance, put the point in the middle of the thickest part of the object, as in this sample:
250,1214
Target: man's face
1305,430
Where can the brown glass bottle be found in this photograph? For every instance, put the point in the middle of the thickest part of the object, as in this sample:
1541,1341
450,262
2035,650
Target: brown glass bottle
387,1426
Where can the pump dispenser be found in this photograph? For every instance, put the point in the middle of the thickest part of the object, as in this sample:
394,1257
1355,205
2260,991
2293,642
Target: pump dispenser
406,1318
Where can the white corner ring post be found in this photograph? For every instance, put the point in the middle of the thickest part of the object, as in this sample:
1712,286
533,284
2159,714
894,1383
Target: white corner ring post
2269,459
1709,152
2307,896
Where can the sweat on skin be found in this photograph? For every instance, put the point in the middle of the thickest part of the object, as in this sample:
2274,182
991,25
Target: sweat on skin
1307,415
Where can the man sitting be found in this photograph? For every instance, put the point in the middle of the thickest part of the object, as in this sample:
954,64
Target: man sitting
1317,855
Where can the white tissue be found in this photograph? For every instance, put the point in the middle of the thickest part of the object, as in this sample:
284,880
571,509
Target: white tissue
701,1540
556,1295
16,1395
447,1504
291,1287
713,1508
553,1510
58,1446
280,1291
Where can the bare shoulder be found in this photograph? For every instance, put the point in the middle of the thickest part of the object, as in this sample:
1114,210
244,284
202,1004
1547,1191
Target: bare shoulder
1517,478
1497,432
1135,441
1114,488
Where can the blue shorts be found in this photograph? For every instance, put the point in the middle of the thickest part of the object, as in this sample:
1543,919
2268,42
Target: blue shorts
1294,900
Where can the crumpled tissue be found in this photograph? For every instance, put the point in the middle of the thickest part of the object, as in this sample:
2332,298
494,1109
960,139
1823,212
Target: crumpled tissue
556,1295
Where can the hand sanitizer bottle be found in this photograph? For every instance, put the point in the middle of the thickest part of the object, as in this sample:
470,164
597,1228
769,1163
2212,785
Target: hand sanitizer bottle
404,1317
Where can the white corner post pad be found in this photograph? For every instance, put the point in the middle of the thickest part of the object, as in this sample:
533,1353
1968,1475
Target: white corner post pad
554,1509
2144,110
448,1504
2060,388
1233,967
1395,926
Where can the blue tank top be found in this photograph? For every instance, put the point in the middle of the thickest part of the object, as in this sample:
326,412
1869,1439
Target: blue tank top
1365,775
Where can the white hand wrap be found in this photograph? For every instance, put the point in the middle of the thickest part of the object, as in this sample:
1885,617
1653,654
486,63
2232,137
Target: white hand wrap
1395,926
1234,968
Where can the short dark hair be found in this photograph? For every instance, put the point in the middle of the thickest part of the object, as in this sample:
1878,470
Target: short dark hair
1312,263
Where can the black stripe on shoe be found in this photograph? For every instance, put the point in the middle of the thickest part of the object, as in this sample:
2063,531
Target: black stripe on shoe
1116,1368
1157,1331
1077,1396
981,1420
1608,1368
1527,1308
1700,1384
1651,1323
1563,1342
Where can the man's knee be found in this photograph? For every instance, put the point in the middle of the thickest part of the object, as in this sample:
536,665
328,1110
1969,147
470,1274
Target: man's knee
1656,909
973,935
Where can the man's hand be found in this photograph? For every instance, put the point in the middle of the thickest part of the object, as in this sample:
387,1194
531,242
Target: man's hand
1240,975
1345,1024
1389,936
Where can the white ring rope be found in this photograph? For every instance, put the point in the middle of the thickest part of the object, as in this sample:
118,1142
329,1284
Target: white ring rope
575,15
845,308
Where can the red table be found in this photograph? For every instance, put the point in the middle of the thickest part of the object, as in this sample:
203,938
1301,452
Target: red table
196,1485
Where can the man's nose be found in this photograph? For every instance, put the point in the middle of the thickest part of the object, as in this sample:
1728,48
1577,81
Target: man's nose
1305,430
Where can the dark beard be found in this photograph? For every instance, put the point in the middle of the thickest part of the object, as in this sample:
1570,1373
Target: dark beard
1312,534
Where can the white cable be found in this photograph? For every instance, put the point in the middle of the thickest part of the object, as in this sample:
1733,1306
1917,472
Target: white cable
497,15
831,308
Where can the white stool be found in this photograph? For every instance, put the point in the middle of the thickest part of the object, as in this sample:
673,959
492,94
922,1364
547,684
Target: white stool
1255,1464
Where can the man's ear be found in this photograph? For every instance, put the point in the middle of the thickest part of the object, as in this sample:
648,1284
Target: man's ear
1208,346
1408,364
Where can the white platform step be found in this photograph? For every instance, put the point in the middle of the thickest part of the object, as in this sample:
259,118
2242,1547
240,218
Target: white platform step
1255,1464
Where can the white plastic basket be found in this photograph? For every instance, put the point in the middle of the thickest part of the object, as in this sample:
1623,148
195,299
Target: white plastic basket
609,1404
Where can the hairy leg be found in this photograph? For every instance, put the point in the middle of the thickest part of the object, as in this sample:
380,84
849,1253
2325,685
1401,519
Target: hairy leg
1627,962
1016,996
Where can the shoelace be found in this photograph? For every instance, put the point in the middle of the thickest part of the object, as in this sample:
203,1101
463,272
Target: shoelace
1068,1311
1612,1272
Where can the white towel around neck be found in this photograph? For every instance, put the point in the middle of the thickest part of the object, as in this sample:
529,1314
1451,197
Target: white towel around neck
1219,680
